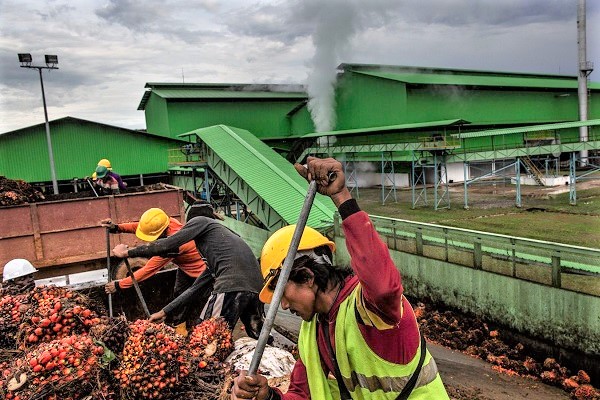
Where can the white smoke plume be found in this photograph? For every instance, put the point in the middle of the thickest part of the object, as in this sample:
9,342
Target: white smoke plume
336,22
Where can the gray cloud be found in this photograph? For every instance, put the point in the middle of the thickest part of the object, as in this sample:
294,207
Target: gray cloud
108,52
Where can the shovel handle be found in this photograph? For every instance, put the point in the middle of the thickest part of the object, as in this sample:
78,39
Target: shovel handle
110,305
137,288
283,277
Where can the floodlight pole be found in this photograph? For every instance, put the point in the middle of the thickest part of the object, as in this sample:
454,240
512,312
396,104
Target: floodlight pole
48,139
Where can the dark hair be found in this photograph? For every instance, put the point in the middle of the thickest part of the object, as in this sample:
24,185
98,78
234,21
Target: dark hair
325,275
200,209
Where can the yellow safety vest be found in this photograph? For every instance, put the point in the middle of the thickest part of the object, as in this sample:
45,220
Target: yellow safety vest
365,374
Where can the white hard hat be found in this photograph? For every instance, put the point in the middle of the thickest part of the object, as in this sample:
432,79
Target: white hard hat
16,268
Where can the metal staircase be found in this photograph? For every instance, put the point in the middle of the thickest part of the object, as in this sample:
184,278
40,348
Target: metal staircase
537,175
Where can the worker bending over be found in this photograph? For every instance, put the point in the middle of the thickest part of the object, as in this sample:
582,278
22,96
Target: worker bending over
17,277
359,338
230,262
155,224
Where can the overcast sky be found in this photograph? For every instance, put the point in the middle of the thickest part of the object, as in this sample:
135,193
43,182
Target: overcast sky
109,49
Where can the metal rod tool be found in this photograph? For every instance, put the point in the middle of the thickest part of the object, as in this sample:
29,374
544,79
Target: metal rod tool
108,271
137,288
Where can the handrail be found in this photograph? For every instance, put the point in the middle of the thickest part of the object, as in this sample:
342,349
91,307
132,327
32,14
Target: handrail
488,251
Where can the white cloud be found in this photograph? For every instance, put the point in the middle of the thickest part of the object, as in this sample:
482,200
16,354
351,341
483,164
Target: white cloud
108,51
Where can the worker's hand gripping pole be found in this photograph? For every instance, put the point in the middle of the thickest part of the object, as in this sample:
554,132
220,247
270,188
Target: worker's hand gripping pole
283,277
108,271
137,288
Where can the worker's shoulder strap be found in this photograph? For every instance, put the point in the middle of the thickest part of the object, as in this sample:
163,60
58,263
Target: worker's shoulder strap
344,393
410,385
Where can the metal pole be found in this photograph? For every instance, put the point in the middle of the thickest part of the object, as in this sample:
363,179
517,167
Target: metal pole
110,305
465,168
48,140
584,70
283,278
137,288
518,182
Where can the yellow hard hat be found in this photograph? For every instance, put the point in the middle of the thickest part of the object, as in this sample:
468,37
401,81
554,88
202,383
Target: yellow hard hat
105,163
275,250
152,224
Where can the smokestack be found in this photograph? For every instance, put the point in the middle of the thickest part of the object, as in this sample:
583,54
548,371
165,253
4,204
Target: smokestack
585,68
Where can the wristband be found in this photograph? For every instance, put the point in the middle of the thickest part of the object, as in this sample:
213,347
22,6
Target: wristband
273,395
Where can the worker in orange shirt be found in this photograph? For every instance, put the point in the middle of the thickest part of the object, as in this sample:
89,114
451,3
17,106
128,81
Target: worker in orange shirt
155,224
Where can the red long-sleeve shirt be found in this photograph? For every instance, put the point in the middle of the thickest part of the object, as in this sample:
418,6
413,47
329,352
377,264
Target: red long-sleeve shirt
390,327
188,260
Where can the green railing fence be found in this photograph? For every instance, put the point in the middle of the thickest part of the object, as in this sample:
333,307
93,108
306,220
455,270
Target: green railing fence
563,266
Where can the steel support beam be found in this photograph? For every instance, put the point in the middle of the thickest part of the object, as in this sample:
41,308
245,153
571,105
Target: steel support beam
351,173
418,175
518,182
572,179
442,193
387,163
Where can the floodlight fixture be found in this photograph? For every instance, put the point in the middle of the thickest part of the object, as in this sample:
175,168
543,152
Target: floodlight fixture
51,60
25,58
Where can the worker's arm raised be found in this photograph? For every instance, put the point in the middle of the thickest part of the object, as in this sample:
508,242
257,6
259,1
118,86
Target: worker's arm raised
329,175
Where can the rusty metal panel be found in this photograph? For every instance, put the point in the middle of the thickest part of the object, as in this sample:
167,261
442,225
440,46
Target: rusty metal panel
16,221
71,243
16,247
68,231
71,214
131,207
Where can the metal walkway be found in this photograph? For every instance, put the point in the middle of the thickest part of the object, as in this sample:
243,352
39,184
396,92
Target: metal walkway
264,181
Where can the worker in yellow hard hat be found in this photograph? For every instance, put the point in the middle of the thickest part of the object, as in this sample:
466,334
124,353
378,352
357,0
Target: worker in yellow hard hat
357,326
237,278
155,224
105,163
110,181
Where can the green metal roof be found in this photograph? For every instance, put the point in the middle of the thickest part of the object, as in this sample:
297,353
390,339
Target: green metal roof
401,127
524,129
270,175
222,91
477,80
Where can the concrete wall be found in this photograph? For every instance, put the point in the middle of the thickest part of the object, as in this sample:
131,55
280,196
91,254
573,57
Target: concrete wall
566,318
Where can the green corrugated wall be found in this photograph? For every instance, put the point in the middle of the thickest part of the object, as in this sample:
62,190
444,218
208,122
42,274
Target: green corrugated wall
367,102
263,118
77,146
157,116
364,101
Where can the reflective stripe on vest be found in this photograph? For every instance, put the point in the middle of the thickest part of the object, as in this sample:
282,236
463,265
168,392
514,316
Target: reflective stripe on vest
366,375
389,384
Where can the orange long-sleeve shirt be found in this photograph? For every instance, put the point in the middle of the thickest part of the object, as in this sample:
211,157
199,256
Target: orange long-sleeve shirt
189,259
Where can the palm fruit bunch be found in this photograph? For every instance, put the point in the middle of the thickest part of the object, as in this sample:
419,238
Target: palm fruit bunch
56,312
153,361
113,332
209,344
211,339
65,369
11,313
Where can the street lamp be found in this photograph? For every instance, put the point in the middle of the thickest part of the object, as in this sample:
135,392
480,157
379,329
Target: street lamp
51,60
